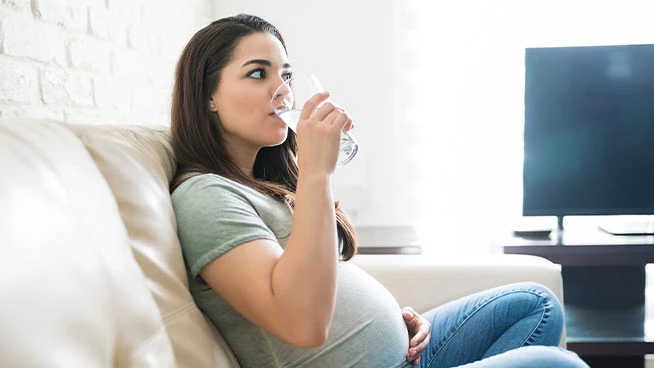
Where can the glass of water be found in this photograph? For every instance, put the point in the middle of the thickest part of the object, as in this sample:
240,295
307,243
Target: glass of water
287,103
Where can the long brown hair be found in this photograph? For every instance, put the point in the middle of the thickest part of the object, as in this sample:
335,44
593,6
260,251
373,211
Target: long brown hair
198,144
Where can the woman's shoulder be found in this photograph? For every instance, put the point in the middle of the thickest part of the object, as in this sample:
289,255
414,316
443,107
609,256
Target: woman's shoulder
209,187
201,182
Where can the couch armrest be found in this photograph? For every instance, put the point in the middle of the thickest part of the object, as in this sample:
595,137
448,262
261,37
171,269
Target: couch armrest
424,282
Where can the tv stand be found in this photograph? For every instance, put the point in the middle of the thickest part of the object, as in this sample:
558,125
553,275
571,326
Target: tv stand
604,283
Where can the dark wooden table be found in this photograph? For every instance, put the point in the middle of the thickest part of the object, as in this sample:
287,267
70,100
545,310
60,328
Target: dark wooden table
609,319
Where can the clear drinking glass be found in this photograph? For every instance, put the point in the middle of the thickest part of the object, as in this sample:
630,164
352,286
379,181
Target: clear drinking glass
287,103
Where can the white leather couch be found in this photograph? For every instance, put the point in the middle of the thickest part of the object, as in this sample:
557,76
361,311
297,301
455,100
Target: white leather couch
91,272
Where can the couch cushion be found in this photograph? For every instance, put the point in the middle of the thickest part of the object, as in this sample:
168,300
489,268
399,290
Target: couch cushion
72,294
138,164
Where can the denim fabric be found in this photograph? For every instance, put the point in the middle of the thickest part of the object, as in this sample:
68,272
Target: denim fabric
517,325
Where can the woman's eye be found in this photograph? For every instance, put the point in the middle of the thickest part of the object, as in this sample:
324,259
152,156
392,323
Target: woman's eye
287,76
257,74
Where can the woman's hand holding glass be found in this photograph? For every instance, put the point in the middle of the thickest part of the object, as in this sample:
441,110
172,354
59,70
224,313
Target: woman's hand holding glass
299,99
319,130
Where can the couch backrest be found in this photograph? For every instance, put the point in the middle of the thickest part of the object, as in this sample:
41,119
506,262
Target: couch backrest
137,163
71,293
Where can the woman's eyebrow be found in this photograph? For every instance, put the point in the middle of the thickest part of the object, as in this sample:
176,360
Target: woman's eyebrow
263,62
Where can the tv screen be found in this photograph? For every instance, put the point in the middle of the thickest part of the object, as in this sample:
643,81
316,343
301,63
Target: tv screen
589,131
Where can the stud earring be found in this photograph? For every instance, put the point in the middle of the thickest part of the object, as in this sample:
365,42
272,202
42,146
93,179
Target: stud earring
213,106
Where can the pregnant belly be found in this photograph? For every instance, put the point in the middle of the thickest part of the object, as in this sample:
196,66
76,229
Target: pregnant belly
367,329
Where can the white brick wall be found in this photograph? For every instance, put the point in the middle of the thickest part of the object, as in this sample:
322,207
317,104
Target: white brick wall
94,61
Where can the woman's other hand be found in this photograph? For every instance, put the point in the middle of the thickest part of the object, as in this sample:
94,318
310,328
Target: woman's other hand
419,333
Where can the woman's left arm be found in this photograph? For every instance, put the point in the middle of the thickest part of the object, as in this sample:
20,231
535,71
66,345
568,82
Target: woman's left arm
419,334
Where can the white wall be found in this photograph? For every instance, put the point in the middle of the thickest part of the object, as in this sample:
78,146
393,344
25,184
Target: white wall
455,158
472,80
93,61
349,45
112,61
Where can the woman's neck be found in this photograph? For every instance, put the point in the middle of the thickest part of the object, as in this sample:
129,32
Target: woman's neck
243,157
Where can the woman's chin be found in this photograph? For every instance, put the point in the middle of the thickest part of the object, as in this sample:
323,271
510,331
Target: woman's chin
277,140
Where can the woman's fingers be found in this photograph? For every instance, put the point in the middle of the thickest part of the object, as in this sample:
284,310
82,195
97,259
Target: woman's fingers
419,333
408,313
324,111
328,112
422,340
319,134
337,118
416,352
310,106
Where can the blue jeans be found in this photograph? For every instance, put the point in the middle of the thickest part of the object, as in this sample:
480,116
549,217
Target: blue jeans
517,325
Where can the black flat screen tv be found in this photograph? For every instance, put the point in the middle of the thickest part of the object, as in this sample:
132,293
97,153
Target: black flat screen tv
589,131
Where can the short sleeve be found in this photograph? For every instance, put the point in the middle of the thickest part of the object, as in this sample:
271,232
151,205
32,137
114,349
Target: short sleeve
214,216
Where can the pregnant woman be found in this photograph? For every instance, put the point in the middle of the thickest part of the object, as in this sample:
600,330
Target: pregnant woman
266,247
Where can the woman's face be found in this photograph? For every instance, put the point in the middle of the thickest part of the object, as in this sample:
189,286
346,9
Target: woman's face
247,83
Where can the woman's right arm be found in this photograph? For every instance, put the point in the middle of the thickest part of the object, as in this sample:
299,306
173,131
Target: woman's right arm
292,293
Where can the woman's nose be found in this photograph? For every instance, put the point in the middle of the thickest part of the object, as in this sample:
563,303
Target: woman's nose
281,90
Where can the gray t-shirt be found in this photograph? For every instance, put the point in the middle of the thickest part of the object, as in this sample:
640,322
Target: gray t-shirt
214,215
